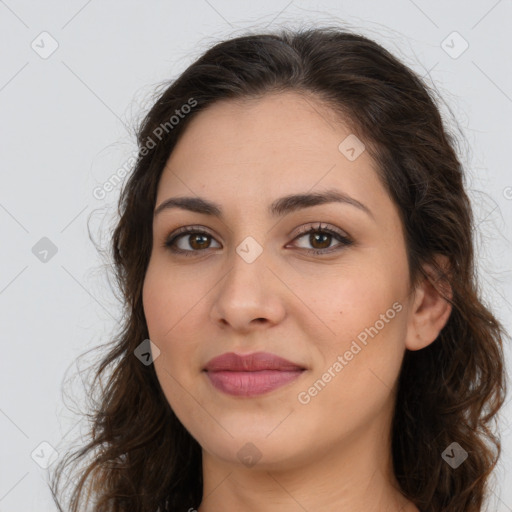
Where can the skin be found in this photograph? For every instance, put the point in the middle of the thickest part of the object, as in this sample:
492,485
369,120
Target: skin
333,453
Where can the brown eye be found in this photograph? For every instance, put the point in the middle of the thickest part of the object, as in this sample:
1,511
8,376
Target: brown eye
198,241
189,240
320,238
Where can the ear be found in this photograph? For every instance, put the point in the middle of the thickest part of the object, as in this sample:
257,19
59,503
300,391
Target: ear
430,310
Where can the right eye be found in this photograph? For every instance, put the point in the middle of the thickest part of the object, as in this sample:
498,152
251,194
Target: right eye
192,237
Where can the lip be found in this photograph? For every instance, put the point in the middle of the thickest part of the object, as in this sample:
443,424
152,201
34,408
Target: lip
257,361
251,374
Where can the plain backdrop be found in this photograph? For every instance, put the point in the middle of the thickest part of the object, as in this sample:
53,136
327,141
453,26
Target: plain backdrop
76,77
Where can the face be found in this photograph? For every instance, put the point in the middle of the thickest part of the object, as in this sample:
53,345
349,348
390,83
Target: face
248,279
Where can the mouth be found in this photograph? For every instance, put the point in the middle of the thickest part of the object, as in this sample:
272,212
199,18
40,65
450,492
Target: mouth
252,374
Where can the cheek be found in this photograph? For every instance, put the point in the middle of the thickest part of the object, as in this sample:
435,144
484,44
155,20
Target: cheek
350,302
170,307
166,315
366,320
168,301
358,369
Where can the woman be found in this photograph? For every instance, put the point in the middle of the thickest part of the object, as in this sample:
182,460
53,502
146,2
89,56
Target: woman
296,242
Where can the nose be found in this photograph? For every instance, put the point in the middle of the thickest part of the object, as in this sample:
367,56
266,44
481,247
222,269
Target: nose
249,296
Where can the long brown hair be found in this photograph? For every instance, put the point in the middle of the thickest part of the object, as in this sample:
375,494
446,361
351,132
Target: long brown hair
142,458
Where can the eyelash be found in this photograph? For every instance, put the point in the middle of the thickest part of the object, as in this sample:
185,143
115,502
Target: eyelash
345,241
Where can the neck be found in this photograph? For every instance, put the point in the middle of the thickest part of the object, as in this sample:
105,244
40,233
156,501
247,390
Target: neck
354,476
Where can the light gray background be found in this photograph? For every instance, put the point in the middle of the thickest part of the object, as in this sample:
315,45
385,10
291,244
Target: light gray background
63,132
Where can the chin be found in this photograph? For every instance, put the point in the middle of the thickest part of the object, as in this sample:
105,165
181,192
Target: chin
254,447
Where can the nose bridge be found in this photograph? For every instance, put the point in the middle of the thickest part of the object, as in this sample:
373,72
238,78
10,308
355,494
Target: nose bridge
248,266
248,290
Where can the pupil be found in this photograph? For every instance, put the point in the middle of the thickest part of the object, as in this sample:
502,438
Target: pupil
197,239
325,236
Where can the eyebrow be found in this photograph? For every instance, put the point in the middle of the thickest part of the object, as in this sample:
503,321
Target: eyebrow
278,208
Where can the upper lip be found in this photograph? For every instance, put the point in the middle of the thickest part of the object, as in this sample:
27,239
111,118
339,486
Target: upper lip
250,363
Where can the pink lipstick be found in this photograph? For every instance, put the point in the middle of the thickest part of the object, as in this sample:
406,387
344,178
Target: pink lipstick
251,374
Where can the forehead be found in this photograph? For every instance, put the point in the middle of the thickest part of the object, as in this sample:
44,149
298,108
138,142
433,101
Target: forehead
283,122
253,150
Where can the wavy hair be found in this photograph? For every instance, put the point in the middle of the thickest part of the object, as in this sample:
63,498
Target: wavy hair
142,458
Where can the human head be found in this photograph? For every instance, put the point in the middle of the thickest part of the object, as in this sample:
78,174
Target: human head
439,391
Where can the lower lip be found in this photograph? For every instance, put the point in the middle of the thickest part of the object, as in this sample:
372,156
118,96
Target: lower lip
251,383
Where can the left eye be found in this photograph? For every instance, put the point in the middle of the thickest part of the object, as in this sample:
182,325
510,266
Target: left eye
199,240
322,238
